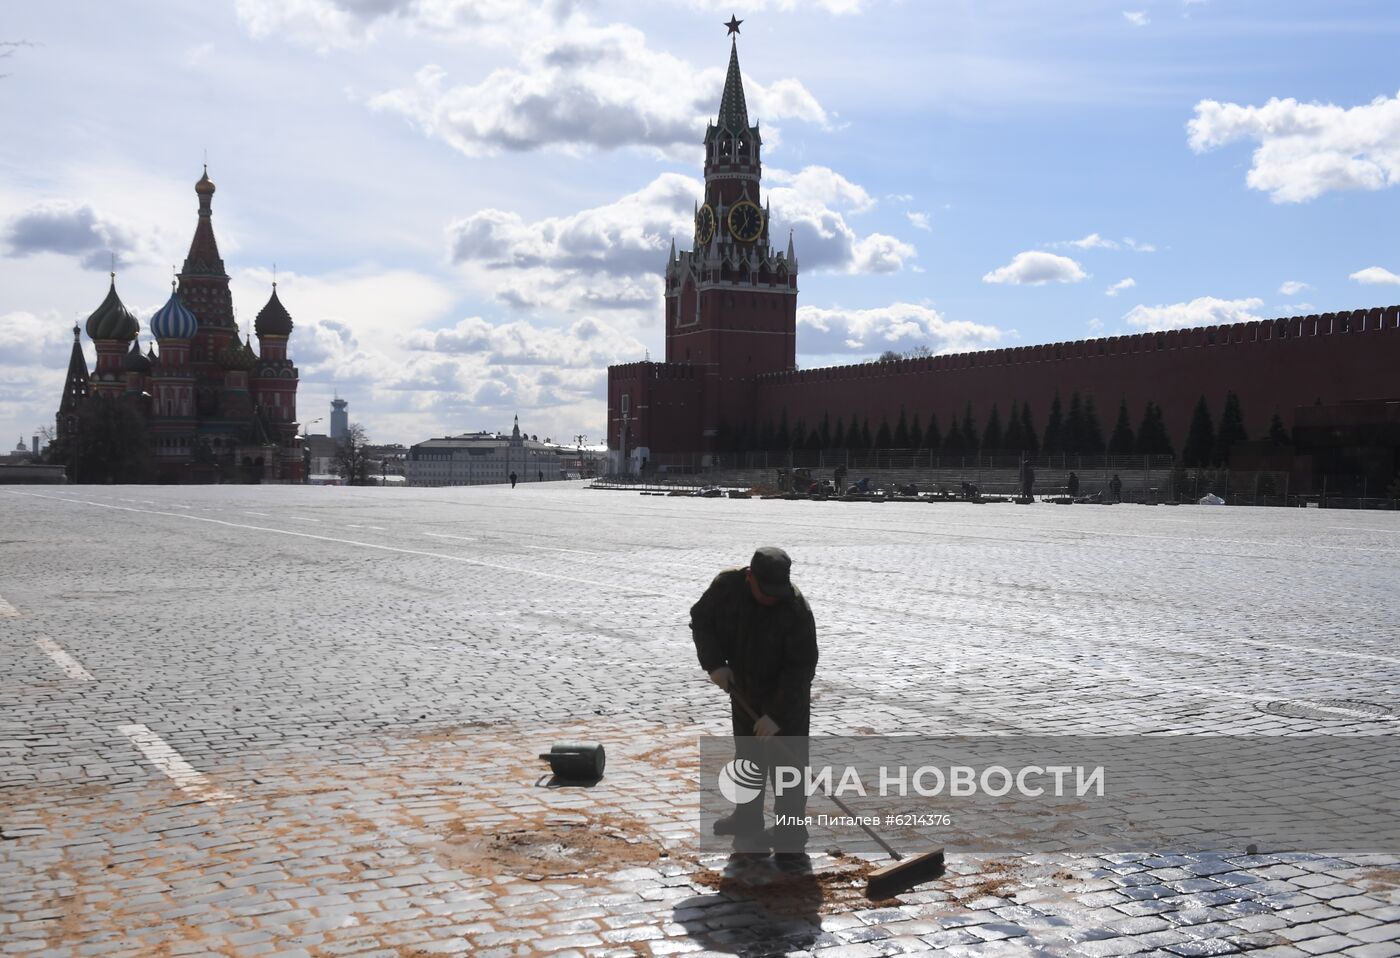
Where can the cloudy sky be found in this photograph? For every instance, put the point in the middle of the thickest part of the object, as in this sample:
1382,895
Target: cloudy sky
469,202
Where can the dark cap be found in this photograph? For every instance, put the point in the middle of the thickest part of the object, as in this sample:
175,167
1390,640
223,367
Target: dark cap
770,566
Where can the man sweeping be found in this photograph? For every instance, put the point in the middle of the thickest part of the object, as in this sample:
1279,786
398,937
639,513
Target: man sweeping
755,636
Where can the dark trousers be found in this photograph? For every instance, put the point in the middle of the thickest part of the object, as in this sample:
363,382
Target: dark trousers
789,748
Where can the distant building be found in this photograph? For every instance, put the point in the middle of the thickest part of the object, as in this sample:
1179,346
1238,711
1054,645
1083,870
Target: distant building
340,419
483,458
214,409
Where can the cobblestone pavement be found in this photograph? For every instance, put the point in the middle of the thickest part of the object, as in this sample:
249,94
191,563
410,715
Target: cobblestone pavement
303,721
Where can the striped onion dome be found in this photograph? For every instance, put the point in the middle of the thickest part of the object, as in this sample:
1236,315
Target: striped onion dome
174,320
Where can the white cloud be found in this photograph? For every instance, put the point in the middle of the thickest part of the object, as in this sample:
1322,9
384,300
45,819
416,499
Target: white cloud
1293,287
1118,287
1202,311
585,344
613,256
1092,241
1375,275
329,24
1137,247
69,228
1136,18
823,331
1307,149
1095,325
588,88
919,220
1035,268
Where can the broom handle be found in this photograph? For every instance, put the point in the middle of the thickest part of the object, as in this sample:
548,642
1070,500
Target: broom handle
889,849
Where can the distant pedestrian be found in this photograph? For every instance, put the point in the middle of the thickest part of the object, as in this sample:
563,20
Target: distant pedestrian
1115,488
512,480
1028,482
541,475
1073,484
840,476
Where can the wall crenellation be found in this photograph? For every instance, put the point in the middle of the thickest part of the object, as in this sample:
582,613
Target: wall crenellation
1345,322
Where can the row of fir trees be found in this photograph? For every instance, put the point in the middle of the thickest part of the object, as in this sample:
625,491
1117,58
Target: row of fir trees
1072,429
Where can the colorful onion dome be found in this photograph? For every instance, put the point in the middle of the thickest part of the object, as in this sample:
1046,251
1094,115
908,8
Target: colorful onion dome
174,320
135,362
273,319
237,356
112,320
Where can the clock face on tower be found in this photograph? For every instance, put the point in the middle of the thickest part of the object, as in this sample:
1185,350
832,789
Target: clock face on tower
704,225
745,221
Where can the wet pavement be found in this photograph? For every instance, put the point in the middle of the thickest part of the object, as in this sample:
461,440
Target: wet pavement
305,720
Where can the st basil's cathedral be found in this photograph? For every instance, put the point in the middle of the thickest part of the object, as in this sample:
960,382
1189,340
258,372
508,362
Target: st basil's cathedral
213,407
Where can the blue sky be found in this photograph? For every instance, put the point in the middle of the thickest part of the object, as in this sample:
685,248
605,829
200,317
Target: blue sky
469,202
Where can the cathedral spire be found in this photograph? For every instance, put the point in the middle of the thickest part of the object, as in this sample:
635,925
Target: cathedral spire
733,113
75,390
204,258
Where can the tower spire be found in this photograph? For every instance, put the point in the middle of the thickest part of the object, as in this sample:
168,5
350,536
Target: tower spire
733,112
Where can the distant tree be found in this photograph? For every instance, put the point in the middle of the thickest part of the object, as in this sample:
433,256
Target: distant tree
882,435
1200,438
111,443
889,356
969,430
1152,438
1028,434
1231,428
933,436
916,434
991,434
838,435
782,439
954,443
799,433
865,441
814,440
351,461
1121,442
1073,435
900,439
824,431
1053,442
765,435
1012,438
1092,444
1278,432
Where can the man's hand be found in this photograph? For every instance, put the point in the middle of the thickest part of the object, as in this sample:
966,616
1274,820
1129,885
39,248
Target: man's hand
723,677
765,727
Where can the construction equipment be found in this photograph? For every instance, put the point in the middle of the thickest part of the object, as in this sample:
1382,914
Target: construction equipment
899,875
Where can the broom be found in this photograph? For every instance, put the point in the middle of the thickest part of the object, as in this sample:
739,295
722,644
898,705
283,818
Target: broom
899,875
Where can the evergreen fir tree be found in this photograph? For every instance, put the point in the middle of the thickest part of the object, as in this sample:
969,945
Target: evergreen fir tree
953,444
1121,442
814,440
1278,432
824,432
1152,438
1073,434
1092,444
882,435
838,435
765,435
1011,440
933,436
969,430
782,439
991,435
1200,438
900,439
1231,429
1030,446
865,442
916,434
1054,441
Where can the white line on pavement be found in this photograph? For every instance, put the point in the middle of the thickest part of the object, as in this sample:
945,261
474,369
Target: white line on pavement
65,661
617,586
263,515
179,771
443,535
8,611
577,552
303,519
